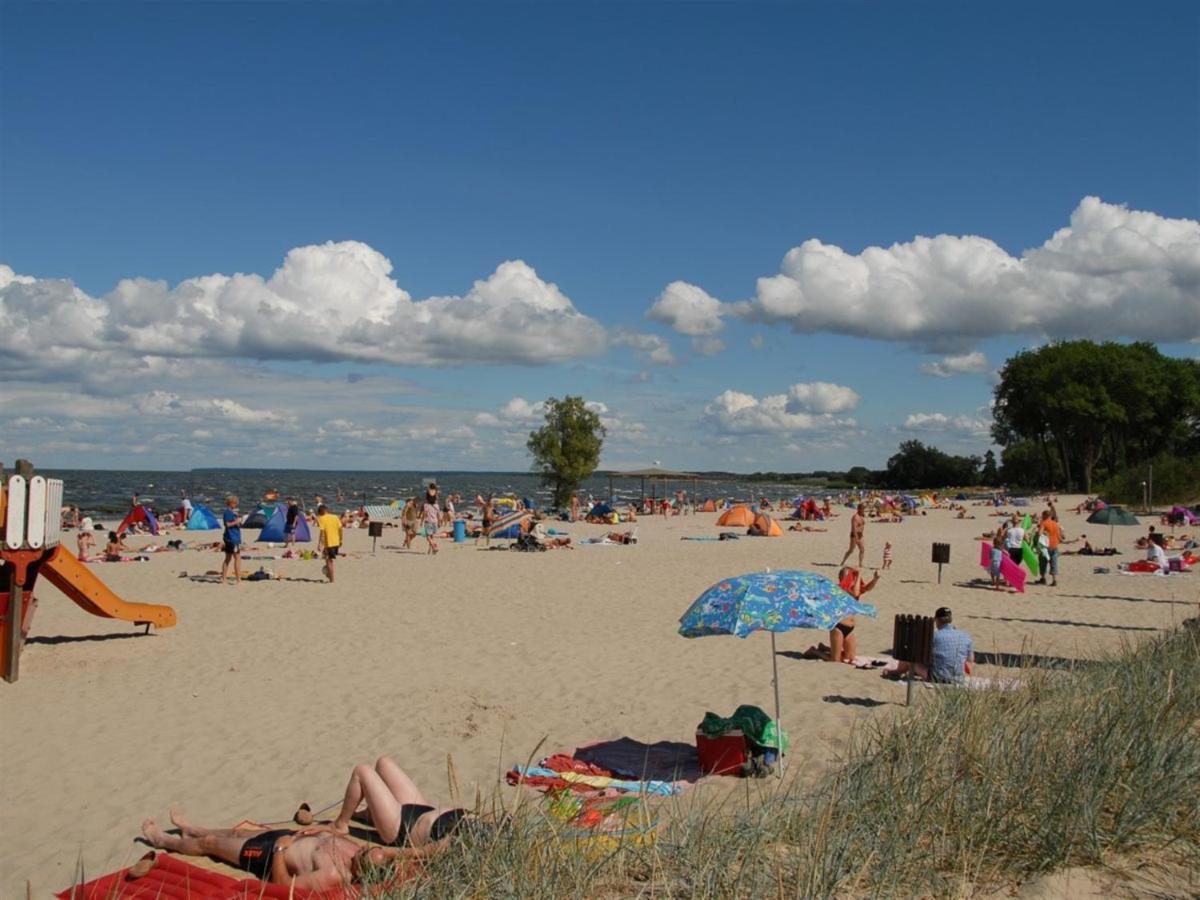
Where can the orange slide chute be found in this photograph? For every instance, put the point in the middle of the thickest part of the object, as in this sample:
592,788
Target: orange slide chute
77,581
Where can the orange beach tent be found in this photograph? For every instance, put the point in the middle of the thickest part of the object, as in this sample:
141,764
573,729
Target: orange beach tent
737,517
708,506
765,526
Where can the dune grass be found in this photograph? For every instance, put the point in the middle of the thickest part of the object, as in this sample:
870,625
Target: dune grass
967,789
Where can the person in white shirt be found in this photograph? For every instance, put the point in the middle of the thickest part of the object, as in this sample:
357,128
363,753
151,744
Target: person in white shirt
1013,539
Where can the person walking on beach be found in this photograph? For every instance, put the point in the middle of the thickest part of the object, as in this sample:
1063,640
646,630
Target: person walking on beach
995,559
574,507
1049,529
231,540
185,508
289,522
330,540
410,518
858,526
430,514
485,531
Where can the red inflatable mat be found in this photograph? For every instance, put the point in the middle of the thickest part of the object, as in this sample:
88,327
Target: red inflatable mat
173,879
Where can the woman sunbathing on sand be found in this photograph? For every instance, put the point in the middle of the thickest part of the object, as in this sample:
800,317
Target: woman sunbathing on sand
399,811
317,858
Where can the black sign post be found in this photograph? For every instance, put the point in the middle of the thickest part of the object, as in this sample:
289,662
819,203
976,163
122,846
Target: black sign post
375,530
941,555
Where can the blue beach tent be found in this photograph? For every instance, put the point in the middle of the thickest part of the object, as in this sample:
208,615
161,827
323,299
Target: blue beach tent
202,519
273,530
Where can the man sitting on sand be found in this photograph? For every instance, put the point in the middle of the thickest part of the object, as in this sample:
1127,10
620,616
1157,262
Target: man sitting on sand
952,656
320,859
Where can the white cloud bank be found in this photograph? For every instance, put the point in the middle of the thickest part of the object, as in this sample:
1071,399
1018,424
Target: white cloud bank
940,423
805,407
960,364
334,301
1113,272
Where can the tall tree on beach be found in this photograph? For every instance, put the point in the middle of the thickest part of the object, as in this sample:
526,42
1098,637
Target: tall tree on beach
1090,407
566,450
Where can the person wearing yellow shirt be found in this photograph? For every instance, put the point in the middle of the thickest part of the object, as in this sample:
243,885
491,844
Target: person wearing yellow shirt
330,540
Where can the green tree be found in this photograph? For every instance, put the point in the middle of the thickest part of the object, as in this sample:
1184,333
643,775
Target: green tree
1091,407
566,450
918,466
989,474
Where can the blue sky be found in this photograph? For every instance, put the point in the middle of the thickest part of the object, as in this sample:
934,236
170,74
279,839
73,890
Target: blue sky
641,158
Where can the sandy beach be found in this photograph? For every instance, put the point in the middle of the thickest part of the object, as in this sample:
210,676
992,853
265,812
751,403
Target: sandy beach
265,694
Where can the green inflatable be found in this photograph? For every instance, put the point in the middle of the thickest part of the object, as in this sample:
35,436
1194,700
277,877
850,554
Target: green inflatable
1030,558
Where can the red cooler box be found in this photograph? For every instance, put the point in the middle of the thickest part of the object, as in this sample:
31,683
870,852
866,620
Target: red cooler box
722,755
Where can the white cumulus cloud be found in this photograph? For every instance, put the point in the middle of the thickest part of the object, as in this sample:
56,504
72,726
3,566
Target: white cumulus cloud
959,364
734,412
967,426
821,397
334,301
655,349
1112,272
517,412
687,309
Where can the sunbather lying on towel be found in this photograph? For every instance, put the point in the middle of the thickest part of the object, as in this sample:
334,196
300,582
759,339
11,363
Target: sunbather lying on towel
399,811
317,859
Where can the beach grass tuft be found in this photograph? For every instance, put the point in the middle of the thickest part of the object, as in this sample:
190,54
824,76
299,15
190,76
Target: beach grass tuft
968,790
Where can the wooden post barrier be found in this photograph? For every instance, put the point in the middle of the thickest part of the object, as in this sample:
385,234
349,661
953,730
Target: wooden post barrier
912,642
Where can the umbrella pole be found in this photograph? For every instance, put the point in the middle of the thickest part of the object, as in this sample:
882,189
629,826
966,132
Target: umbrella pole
1110,535
778,721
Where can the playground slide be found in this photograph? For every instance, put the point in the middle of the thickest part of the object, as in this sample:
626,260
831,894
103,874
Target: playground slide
76,580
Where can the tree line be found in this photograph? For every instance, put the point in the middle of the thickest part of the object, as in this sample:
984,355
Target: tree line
1072,415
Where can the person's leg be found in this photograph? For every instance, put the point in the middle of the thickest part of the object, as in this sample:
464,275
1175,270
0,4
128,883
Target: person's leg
1054,567
862,552
226,848
237,565
835,644
846,556
225,566
850,647
403,788
383,808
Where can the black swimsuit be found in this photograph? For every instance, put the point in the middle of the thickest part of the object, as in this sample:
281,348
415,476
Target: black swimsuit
443,826
258,851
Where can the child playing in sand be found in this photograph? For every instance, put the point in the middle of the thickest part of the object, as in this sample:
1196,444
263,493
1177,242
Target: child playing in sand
431,515
887,554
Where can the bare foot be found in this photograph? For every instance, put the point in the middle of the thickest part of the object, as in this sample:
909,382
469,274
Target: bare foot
339,827
180,821
152,833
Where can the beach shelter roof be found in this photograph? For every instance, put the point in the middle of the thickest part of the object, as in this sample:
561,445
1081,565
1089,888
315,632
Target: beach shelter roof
138,514
202,519
600,509
736,517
